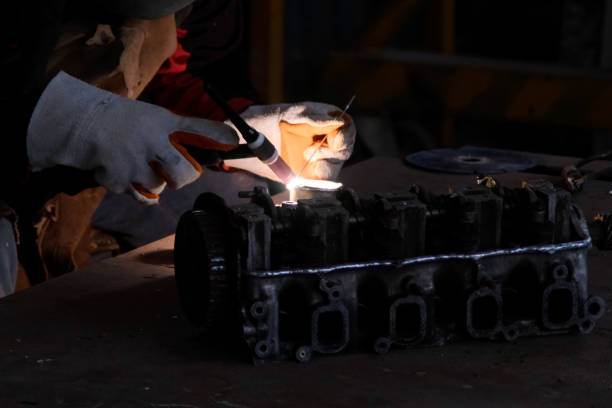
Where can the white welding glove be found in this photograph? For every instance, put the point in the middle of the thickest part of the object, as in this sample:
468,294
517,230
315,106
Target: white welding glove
296,130
132,146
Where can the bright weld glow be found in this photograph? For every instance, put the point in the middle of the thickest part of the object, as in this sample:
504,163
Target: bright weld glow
299,182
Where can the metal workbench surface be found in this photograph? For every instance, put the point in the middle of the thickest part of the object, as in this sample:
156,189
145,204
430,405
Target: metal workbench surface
112,335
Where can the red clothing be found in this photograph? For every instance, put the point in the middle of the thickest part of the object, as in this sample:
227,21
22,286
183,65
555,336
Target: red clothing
178,90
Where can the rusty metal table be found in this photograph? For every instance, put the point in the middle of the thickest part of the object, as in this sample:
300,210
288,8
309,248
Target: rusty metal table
111,335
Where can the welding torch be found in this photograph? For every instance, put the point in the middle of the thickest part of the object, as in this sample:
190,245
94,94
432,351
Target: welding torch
257,142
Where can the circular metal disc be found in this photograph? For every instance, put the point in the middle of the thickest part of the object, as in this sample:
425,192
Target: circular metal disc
471,160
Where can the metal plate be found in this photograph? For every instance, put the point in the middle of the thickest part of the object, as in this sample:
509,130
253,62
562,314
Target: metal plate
471,160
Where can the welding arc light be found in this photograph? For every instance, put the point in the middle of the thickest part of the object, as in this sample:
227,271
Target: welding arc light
327,185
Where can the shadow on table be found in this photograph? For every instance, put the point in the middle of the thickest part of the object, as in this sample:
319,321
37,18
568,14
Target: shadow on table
142,319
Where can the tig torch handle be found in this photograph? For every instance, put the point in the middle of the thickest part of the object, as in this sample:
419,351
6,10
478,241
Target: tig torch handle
250,135
262,148
259,144
213,157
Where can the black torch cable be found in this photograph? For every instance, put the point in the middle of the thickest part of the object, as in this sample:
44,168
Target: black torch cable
249,134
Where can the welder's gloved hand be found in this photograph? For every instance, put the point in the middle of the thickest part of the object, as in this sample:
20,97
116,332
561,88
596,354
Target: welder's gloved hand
132,146
297,130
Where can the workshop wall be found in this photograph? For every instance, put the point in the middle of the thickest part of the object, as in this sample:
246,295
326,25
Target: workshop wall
515,74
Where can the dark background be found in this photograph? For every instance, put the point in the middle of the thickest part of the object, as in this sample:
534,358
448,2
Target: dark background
548,36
